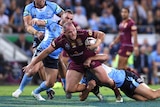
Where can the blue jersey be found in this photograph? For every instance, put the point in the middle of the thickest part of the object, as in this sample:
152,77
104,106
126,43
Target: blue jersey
53,30
47,12
117,75
155,57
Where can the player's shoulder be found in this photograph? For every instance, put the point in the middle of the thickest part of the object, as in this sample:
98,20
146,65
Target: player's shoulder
84,32
30,5
49,3
131,21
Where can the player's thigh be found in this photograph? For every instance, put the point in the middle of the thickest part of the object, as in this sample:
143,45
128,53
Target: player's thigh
73,78
144,91
101,74
51,75
139,97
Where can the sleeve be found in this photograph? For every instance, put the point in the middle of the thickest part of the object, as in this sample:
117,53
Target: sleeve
57,8
89,33
27,11
57,43
133,26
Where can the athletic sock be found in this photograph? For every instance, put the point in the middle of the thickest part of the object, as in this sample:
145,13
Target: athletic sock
63,80
49,89
41,88
84,80
25,81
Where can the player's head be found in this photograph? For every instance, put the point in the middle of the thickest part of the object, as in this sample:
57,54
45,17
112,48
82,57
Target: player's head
67,16
40,3
125,13
70,31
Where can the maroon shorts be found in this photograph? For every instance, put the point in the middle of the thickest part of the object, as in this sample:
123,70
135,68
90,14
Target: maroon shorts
125,51
80,67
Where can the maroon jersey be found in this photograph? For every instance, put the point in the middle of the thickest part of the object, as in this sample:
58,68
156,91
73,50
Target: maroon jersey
76,50
125,29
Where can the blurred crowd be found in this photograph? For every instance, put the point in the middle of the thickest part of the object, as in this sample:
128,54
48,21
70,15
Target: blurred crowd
103,15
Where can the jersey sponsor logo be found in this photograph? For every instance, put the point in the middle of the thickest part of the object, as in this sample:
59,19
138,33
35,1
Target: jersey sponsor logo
76,54
79,41
67,46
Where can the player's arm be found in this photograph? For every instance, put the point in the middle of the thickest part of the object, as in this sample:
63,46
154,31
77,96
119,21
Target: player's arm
39,58
134,35
28,26
115,41
100,57
99,39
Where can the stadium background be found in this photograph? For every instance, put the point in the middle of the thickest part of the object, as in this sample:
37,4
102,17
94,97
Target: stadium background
103,15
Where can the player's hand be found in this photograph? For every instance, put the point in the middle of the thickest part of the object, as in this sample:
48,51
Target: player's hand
27,68
92,47
87,62
111,45
34,21
40,35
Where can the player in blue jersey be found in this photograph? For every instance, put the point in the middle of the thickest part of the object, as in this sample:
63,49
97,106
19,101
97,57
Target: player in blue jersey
53,30
40,9
131,84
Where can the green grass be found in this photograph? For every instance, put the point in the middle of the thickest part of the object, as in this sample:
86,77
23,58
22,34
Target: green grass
26,100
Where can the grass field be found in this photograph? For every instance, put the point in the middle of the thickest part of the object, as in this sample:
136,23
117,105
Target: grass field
26,100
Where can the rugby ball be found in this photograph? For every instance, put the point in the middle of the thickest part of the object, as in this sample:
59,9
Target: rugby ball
90,41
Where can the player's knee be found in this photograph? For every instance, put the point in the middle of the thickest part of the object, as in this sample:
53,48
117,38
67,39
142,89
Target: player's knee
70,89
152,97
49,84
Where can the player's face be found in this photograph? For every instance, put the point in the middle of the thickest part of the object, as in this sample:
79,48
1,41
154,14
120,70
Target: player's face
66,17
40,3
124,14
71,32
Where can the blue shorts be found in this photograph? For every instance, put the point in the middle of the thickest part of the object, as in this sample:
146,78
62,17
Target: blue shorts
48,61
131,82
36,42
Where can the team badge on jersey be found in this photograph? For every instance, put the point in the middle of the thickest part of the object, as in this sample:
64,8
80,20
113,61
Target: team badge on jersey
73,44
67,46
90,32
79,41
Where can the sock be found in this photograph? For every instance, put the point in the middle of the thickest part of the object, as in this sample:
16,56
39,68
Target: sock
49,89
84,80
41,88
63,80
25,81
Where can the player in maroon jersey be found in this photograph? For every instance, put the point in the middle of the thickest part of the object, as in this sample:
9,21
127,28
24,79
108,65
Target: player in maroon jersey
127,29
72,41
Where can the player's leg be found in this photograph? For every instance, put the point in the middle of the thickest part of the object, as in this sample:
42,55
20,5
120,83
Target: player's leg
72,81
50,80
63,63
51,70
147,92
50,92
122,62
26,80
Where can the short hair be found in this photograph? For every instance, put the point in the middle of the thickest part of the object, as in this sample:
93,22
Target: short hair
65,25
126,8
69,11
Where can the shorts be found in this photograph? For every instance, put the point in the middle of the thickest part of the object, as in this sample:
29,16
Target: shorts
48,61
36,42
80,67
131,82
64,53
125,51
